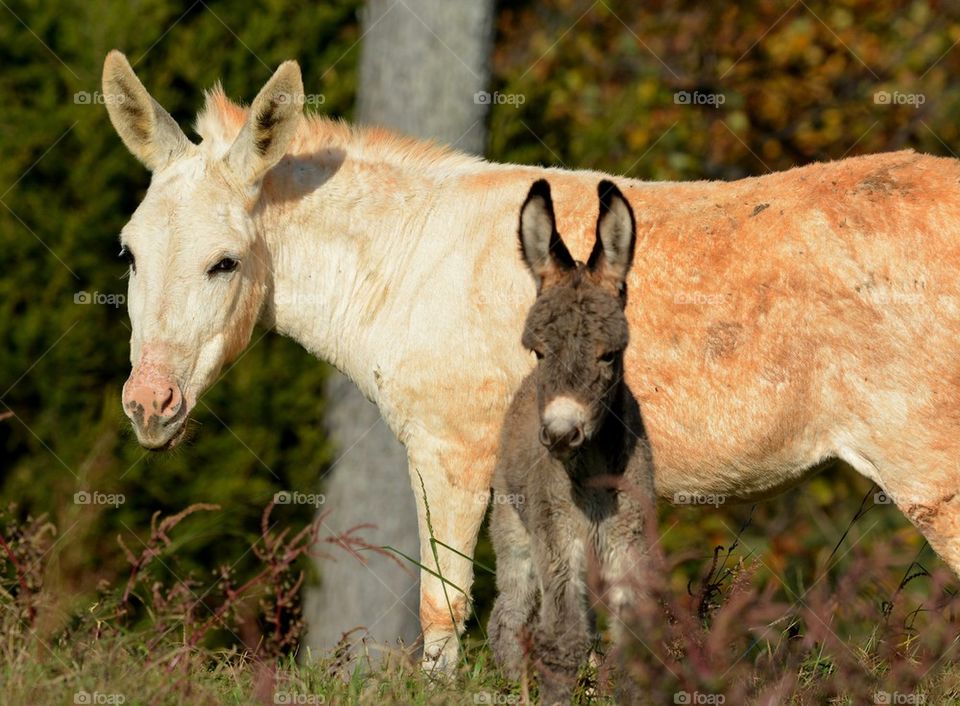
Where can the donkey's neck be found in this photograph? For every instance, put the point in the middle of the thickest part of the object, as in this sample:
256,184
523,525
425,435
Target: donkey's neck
342,234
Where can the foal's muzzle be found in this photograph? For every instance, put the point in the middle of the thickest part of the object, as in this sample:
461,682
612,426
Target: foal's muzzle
562,425
562,441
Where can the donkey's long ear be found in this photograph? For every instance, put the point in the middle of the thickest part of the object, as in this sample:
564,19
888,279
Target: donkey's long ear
271,125
540,243
148,131
612,252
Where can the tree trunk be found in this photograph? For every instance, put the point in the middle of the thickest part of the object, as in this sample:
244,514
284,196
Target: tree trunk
422,64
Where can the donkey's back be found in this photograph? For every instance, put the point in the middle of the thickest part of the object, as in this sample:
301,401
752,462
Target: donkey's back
801,316
793,317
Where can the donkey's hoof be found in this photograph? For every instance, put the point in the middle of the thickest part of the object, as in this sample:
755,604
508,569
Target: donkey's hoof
440,656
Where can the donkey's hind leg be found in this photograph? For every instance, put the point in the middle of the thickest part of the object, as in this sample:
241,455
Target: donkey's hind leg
517,589
934,508
922,476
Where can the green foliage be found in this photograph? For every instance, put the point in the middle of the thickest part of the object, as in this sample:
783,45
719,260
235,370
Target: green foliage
68,185
798,83
592,85
140,641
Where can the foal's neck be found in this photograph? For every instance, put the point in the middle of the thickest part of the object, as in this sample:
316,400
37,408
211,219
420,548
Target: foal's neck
608,451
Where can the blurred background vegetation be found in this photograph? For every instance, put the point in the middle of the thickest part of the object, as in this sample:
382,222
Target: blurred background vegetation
597,80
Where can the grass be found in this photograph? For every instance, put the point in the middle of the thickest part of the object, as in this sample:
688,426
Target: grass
725,633
116,670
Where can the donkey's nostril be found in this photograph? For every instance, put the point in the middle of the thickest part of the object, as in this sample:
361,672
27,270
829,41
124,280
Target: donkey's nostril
170,403
576,437
163,401
545,436
560,439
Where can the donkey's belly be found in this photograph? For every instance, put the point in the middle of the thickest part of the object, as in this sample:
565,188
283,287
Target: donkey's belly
716,484
707,439
740,456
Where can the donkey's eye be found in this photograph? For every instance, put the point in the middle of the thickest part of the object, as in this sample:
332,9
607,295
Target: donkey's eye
127,254
227,264
608,357
539,354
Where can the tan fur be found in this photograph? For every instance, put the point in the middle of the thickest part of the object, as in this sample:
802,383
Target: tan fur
775,321
443,617
220,122
765,342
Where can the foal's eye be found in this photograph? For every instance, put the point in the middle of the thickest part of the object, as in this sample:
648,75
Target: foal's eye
539,354
127,254
608,358
227,264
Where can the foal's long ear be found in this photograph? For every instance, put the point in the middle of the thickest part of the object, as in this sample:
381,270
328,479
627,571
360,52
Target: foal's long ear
543,250
148,131
612,252
273,120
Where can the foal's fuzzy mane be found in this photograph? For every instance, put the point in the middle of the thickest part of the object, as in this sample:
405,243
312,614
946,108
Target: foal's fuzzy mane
220,121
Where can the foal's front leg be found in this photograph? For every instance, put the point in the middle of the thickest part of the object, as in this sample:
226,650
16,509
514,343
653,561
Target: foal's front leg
562,636
516,588
623,561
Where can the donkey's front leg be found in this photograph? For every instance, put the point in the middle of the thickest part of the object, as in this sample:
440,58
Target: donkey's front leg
517,588
624,558
450,506
624,564
562,637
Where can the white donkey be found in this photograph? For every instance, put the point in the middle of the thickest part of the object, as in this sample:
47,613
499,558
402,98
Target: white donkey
776,322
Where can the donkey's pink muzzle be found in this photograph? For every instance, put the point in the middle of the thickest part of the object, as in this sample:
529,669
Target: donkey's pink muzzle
153,401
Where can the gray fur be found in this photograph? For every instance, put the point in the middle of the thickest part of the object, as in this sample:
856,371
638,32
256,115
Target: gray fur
557,510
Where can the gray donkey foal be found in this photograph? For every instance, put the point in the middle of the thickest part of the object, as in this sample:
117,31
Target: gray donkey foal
573,462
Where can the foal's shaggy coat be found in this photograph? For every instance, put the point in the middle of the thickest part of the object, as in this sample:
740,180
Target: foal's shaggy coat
573,462
777,321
